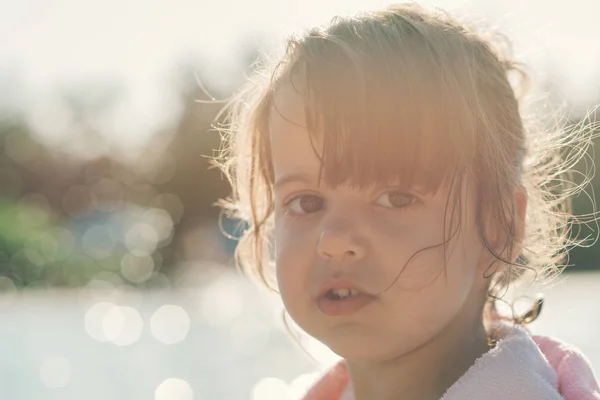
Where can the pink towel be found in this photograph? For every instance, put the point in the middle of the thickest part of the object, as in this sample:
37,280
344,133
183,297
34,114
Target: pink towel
576,378
521,366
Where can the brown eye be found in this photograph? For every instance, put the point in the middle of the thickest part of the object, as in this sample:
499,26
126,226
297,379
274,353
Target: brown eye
306,204
395,199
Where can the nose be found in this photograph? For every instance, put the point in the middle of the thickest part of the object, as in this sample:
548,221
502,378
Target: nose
338,245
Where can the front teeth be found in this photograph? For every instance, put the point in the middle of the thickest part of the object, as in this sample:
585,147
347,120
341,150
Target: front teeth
343,293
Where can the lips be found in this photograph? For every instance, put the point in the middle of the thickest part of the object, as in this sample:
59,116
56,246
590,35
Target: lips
342,297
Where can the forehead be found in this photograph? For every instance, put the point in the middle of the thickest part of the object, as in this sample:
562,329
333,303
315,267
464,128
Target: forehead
286,113
292,146
348,140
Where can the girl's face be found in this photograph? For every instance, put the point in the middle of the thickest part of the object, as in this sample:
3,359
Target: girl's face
362,239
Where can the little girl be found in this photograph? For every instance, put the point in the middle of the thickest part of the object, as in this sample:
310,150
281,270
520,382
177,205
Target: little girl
393,192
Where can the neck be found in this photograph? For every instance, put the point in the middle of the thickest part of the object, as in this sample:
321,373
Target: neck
424,373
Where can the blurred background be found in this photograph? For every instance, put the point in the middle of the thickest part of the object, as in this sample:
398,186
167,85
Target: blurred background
116,281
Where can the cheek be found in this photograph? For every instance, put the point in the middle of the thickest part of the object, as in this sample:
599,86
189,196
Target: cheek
414,252
430,293
294,255
408,247
293,238
453,281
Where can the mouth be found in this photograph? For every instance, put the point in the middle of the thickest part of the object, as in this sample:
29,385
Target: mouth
339,294
340,288
339,301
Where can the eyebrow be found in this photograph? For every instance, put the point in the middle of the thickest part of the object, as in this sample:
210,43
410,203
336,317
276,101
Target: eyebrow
287,179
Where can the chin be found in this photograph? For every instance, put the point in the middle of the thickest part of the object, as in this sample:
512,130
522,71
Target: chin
358,348
365,354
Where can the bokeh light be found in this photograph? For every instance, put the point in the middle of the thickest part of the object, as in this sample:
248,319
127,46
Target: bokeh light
174,389
123,325
171,203
137,269
94,320
55,372
161,221
170,324
142,239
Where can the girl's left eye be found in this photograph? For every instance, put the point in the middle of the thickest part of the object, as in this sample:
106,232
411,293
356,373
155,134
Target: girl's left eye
395,199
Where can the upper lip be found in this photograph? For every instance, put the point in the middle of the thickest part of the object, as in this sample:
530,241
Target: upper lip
338,284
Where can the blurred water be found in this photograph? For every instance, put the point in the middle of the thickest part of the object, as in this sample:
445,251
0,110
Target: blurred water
222,340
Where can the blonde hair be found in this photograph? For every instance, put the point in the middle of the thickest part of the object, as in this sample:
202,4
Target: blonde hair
409,78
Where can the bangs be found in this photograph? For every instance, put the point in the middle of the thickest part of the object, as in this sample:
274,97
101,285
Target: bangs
382,114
